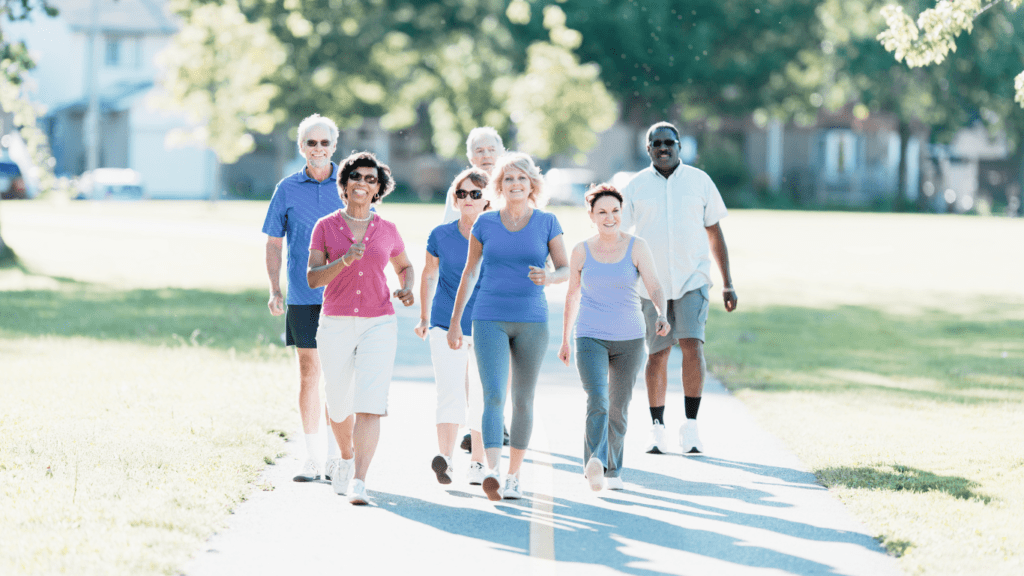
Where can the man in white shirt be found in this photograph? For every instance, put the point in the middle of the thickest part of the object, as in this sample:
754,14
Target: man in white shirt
677,208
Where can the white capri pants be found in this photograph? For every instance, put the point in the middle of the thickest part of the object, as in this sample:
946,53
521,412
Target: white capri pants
358,358
455,372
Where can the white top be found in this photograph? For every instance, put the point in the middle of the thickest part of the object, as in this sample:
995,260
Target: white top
450,213
671,214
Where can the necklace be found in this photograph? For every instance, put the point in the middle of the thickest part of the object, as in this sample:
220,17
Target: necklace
354,219
508,214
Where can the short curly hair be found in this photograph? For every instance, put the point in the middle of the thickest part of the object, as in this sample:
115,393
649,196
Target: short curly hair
366,160
519,161
598,191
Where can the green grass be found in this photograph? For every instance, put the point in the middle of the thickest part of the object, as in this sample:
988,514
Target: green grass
144,385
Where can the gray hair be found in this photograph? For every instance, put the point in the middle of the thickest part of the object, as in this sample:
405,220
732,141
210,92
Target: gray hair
479,133
519,161
314,120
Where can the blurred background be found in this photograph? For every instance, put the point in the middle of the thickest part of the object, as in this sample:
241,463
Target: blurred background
786,104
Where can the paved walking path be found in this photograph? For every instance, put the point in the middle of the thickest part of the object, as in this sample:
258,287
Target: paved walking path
747,507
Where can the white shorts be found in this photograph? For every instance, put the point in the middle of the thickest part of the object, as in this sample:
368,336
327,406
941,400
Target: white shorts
457,377
358,357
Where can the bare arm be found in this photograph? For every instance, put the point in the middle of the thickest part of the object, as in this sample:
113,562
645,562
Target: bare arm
274,249
427,286
572,301
644,262
407,276
716,239
469,275
559,259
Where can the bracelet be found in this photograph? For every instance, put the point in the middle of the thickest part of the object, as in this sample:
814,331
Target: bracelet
728,290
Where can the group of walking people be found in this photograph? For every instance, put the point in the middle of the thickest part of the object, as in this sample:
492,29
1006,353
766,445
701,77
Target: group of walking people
483,307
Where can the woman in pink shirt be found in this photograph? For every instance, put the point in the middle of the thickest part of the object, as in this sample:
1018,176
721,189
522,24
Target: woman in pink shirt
358,333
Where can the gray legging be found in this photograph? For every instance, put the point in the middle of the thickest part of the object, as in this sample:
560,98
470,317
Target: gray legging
608,369
494,340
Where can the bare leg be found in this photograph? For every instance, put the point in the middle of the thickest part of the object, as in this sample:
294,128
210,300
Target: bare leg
656,377
446,434
343,434
476,453
515,461
309,389
693,368
365,435
493,458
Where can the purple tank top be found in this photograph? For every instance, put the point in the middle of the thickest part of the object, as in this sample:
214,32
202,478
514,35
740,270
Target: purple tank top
609,301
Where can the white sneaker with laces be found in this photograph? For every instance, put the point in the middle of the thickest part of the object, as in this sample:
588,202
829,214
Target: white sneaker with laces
331,468
594,473
342,476
689,439
310,472
476,473
512,490
615,483
657,443
491,485
442,467
358,496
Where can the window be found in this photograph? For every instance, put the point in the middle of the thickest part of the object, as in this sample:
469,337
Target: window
112,53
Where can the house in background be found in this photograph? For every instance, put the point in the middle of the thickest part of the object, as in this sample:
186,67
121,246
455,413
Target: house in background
129,35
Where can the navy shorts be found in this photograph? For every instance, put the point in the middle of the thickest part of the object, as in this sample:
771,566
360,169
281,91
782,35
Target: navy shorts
301,322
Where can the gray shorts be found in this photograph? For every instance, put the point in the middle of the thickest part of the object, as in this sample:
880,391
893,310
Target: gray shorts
687,315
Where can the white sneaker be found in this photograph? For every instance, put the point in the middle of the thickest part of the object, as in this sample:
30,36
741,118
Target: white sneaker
310,472
689,439
594,473
657,443
476,473
615,483
331,468
342,476
511,491
492,487
358,495
442,467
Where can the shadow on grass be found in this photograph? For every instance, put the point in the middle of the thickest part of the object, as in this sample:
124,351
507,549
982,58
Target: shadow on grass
899,478
931,354
167,316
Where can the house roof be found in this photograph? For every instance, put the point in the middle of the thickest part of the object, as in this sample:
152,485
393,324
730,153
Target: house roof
126,16
116,97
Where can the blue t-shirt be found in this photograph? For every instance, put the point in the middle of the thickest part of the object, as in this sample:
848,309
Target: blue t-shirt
298,202
506,291
448,245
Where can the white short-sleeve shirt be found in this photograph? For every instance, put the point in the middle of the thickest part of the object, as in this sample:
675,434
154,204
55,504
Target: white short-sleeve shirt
671,214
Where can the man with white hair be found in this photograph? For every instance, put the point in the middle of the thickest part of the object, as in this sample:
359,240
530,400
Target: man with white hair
298,202
483,148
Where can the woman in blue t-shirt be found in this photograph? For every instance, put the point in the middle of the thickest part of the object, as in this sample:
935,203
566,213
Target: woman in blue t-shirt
507,252
455,371
603,273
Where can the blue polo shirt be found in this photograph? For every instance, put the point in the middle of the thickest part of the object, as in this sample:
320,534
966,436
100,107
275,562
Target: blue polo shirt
298,202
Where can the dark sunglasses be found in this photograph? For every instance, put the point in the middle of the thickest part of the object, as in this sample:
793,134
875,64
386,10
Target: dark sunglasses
474,194
322,143
668,143
357,177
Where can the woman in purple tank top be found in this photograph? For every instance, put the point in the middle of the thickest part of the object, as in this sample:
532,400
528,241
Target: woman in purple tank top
604,306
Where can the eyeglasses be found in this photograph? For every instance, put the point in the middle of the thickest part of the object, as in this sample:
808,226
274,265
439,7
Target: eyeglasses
474,194
357,177
322,143
667,143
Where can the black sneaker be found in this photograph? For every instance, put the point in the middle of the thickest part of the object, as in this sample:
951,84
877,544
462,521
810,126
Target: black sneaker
506,440
467,443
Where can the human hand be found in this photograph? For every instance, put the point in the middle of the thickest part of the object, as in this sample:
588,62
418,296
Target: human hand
538,276
455,336
355,252
729,295
661,326
564,354
421,329
276,304
405,295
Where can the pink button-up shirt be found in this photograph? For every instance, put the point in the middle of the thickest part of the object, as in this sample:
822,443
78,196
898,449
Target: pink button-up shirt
360,289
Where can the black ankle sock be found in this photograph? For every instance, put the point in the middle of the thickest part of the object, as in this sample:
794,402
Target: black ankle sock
692,406
658,414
